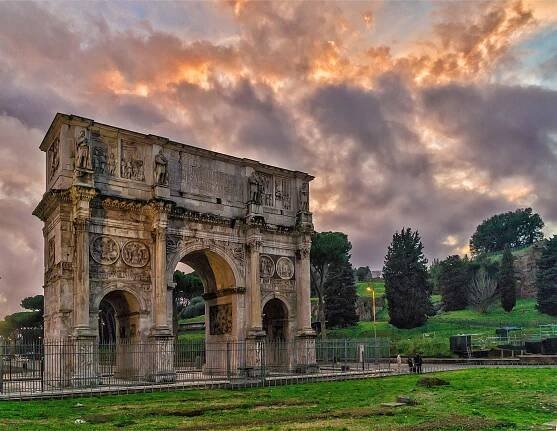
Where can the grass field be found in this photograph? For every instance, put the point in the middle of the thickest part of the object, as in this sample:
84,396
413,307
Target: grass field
479,400
432,339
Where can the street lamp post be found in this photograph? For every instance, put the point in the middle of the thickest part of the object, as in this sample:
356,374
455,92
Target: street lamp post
372,291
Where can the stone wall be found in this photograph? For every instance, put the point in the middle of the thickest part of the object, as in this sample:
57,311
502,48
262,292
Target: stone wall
526,269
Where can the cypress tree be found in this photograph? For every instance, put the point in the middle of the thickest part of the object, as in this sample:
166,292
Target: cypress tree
507,281
454,277
546,278
340,296
406,281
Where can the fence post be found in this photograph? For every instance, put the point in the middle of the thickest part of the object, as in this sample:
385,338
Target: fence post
228,361
2,370
261,345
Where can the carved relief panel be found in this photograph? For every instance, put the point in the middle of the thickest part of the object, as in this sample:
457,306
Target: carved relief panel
51,252
53,157
283,194
104,154
132,160
277,273
220,319
116,258
267,194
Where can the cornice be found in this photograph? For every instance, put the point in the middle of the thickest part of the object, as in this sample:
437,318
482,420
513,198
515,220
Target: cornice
50,200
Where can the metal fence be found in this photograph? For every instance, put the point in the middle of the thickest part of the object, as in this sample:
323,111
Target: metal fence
52,368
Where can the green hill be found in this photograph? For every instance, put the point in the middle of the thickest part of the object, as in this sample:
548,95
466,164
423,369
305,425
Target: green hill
433,337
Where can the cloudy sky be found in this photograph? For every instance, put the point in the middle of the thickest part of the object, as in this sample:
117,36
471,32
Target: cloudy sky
433,115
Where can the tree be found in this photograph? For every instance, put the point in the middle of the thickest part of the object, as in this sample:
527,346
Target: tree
340,296
453,279
434,272
511,229
406,281
507,281
34,303
546,278
327,249
482,290
24,319
187,287
363,273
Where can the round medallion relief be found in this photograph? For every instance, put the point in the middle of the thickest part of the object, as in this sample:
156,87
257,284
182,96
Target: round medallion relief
105,250
135,253
266,266
285,268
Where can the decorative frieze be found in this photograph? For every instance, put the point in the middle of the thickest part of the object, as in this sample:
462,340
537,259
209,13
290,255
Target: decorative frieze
220,319
273,267
135,254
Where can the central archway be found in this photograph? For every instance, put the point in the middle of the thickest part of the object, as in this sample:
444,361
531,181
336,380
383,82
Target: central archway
224,306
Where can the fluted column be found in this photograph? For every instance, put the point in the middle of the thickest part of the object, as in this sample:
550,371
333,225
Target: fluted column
81,197
160,290
255,246
303,301
81,274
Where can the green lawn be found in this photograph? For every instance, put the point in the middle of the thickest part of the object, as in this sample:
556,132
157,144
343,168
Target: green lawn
378,286
479,400
433,338
195,319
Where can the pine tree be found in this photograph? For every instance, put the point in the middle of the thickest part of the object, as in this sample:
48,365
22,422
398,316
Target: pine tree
454,277
507,281
340,296
546,278
406,281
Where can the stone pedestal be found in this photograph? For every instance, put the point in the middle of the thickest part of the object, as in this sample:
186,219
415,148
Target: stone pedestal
254,353
162,192
160,360
85,362
306,361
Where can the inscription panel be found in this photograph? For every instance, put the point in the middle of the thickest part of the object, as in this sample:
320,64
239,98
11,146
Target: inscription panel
202,176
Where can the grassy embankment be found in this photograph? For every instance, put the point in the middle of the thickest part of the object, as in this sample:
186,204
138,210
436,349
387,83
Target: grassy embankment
433,337
480,400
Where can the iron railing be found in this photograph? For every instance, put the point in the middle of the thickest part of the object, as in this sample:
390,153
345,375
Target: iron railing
60,368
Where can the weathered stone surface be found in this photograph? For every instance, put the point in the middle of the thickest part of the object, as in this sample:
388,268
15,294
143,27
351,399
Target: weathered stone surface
526,270
122,209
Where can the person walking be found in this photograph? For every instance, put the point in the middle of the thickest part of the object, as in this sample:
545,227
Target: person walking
398,363
410,362
418,363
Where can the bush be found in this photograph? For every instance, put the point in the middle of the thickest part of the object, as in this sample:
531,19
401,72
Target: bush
195,308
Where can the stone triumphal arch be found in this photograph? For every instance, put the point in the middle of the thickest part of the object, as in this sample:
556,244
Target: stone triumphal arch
122,209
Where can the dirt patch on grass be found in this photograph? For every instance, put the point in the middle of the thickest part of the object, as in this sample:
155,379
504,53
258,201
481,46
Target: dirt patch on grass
460,423
431,382
199,411
352,413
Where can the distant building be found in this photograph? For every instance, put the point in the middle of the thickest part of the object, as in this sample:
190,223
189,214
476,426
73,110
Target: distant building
377,273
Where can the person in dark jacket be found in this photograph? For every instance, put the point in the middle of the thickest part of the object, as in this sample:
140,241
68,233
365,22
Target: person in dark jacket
418,363
410,362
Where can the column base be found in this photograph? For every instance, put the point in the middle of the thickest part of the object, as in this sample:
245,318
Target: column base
162,191
255,349
306,362
160,363
84,361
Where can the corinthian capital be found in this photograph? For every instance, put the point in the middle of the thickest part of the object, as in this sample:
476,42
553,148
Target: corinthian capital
80,193
255,244
304,250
